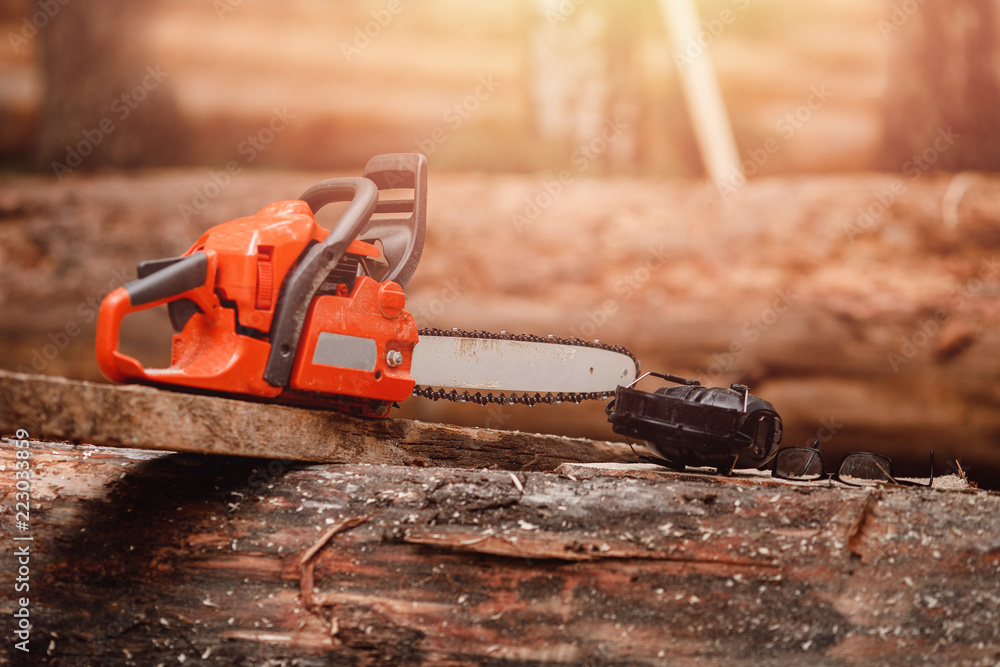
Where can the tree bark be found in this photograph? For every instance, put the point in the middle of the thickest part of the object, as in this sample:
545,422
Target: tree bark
143,558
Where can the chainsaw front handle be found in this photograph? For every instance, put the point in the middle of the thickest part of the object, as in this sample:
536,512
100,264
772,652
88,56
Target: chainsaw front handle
190,277
316,264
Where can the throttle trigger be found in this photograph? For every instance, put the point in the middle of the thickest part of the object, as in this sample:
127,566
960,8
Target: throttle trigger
363,248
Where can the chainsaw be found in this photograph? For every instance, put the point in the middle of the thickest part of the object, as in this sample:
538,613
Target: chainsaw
276,308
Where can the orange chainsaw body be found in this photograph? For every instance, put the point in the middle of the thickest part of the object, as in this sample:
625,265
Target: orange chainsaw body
274,307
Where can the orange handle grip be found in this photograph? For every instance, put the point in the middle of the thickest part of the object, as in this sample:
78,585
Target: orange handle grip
114,365
142,294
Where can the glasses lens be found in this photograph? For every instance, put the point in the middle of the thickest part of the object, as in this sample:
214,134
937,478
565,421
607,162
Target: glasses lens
801,463
864,469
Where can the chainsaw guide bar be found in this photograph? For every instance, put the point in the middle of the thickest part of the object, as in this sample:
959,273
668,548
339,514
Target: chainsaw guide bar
524,369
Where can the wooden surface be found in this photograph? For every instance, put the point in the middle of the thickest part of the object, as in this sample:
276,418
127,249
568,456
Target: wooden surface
146,558
148,418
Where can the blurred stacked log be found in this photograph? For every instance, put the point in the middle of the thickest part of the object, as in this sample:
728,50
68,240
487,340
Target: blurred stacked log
864,307
228,65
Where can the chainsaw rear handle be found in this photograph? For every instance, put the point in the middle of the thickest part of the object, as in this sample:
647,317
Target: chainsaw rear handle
402,237
316,264
185,278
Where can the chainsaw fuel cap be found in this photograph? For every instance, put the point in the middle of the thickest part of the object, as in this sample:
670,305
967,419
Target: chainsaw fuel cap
691,425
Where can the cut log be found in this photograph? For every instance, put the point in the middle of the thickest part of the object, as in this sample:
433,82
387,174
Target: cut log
935,64
108,101
144,558
147,418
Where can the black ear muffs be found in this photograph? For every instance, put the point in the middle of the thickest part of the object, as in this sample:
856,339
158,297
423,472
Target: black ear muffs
692,425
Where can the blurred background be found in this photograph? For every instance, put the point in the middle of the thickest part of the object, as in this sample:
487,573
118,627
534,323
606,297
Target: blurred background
829,239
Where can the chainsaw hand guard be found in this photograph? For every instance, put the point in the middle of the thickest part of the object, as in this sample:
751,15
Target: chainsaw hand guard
305,279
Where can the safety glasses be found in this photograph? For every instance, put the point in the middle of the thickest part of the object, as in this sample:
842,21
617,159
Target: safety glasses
805,464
